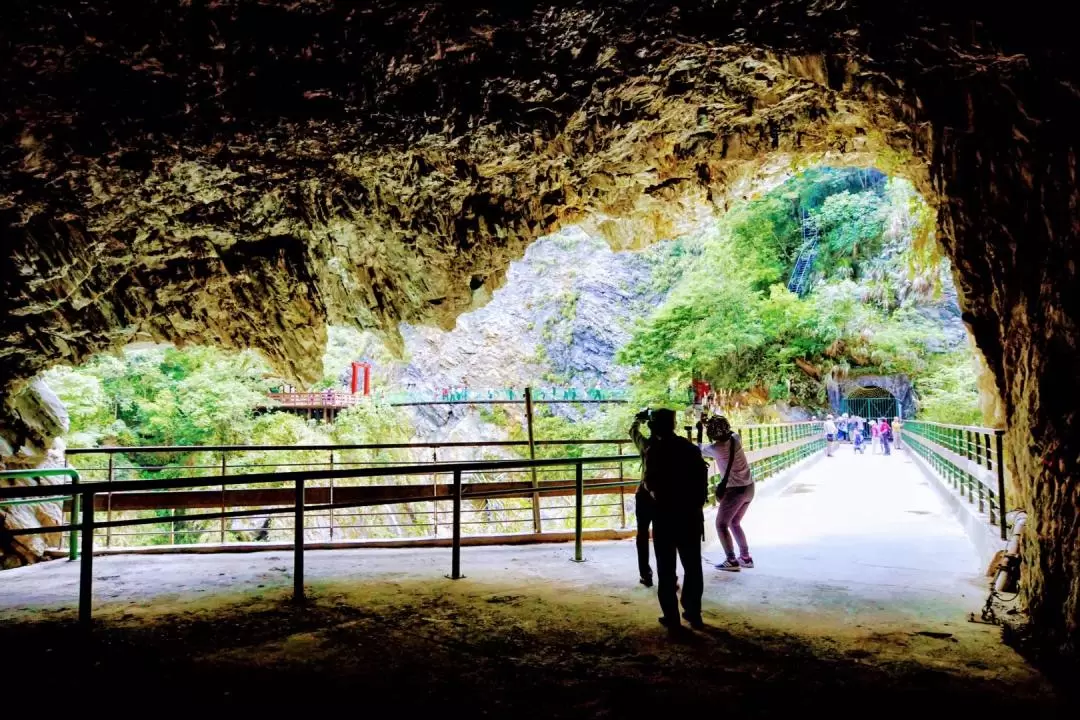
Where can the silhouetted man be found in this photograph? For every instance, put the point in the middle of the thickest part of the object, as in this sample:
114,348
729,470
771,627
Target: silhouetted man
675,478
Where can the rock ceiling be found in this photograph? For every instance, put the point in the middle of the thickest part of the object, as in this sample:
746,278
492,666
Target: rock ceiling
242,172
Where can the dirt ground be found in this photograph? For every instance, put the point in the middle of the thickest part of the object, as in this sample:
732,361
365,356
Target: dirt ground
858,606
505,649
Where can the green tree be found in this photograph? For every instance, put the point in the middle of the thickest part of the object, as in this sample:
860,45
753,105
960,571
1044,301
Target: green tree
852,227
732,321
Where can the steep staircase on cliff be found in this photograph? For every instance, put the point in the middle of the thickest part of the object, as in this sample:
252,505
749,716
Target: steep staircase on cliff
799,283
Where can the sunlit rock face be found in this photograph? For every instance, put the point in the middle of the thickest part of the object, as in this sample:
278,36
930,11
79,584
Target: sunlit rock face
241,172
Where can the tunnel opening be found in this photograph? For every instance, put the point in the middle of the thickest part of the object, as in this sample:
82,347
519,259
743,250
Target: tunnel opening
186,204
872,402
551,327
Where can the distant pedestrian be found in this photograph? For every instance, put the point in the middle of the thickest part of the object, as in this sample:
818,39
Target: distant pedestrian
886,435
830,435
860,445
875,437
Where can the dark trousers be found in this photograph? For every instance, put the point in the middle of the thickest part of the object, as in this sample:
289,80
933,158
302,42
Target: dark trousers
885,444
682,538
643,504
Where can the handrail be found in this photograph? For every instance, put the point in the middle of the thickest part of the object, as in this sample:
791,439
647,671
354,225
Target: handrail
971,458
770,447
112,449
307,475
789,446
979,428
151,449
88,524
41,472
73,541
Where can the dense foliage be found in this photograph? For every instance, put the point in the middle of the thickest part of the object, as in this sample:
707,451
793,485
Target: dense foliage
203,396
731,319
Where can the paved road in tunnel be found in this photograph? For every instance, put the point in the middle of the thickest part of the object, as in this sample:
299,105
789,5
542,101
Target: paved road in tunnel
852,542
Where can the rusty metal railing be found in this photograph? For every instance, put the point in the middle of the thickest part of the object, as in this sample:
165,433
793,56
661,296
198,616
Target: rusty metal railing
217,466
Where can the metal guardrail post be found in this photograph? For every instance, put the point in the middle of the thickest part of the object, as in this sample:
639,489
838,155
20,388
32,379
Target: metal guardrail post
86,570
224,469
579,508
108,503
622,489
537,525
73,536
298,543
331,498
435,492
999,458
455,553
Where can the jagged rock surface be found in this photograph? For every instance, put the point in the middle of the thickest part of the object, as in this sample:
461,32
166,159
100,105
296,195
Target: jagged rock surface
24,549
241,172
565,310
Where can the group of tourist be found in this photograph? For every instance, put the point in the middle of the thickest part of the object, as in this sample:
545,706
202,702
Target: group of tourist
857,430
673,491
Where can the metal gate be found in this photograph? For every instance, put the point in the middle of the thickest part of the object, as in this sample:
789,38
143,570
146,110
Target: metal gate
871,402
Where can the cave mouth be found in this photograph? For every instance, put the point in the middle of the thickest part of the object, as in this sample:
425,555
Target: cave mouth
382,160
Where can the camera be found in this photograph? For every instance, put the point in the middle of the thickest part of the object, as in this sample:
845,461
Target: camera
644,415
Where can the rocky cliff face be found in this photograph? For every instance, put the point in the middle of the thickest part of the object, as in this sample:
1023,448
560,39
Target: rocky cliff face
565,310
242,172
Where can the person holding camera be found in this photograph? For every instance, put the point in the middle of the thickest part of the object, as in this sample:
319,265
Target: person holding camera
643,506
734,492
674,475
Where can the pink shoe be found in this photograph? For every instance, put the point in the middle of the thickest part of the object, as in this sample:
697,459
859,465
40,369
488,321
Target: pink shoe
746,562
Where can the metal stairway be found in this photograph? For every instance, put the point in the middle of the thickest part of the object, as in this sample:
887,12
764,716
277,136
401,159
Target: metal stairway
799,283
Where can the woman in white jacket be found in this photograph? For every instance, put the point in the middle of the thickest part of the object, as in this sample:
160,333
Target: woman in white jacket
733,500
830,435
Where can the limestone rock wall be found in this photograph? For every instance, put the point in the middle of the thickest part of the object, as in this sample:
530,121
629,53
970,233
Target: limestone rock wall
240,172
43,415
567,307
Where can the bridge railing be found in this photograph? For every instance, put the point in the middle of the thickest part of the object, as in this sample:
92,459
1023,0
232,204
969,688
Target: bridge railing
970,458
775,447
302,495
218,466
382,513
770,449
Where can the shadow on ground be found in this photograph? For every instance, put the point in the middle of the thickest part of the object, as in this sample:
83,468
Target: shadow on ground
482,649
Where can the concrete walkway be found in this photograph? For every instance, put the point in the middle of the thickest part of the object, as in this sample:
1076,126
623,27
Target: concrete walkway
852,542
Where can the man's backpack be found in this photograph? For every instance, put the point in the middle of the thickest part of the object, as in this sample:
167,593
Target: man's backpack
676,474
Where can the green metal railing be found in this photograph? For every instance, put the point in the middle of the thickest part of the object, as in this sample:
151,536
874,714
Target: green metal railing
969,458
795,442
73,541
